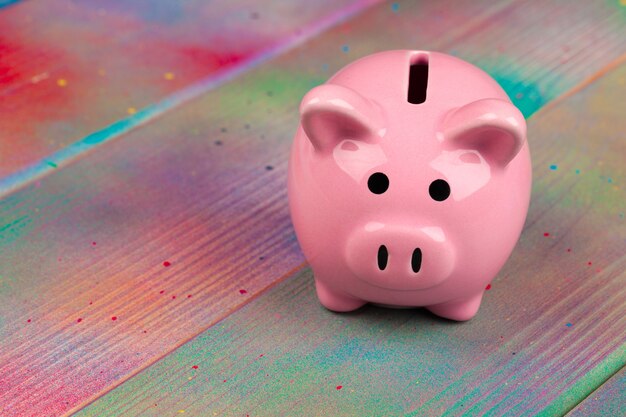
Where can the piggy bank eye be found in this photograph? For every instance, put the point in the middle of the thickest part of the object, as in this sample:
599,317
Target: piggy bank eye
378,183
439,190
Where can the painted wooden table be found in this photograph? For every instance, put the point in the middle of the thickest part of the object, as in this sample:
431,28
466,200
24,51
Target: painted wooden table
148,265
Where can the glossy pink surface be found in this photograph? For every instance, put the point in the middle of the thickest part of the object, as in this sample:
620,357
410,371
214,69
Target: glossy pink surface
400,245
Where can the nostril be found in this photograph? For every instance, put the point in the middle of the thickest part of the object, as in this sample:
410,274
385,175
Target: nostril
383,257
416,260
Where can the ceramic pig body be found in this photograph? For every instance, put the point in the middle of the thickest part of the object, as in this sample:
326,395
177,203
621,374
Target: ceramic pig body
409,183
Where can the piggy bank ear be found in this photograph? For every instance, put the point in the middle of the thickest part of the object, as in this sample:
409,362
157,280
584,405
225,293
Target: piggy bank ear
493,127
331,113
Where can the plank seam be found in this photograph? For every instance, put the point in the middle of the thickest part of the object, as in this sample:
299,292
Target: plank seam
72,152
583,84
594,391
183,342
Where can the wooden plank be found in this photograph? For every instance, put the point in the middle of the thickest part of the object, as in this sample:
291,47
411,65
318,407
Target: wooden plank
71,68
190,191
551,329
608,400
201,188
536,50
578,57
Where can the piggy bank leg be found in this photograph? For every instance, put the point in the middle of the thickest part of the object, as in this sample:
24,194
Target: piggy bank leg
335,301
459,310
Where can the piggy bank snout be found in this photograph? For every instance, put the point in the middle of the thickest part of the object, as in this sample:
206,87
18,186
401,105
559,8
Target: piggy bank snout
400,257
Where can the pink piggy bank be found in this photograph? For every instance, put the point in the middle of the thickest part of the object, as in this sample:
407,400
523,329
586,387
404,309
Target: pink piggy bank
409,183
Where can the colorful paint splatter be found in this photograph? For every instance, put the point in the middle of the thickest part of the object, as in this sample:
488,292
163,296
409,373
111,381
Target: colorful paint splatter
147,261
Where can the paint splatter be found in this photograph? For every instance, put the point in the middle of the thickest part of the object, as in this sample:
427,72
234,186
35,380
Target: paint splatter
195,367
166,264
553,167
546,234
62,82
488,287
131,110
395,7
188,295
242,291
168,76
589,263
339,387
162,291
93,243
28,321
79,320
114,318
577,171
569,249
568,324
52,164
345,48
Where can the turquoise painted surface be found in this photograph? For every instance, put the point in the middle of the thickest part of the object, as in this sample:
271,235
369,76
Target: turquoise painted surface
4,3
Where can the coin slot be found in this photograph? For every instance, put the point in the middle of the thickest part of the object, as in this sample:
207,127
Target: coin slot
418,79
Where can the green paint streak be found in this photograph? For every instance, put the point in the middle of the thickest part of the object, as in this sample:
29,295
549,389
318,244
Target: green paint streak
12,224
568,399
25,221
52,164
586,384
617,7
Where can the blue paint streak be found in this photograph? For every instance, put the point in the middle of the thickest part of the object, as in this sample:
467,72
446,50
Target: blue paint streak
72,152
4,3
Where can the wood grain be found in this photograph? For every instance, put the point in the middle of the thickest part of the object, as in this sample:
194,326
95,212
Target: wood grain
608,400
69,69
202,188
552,327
